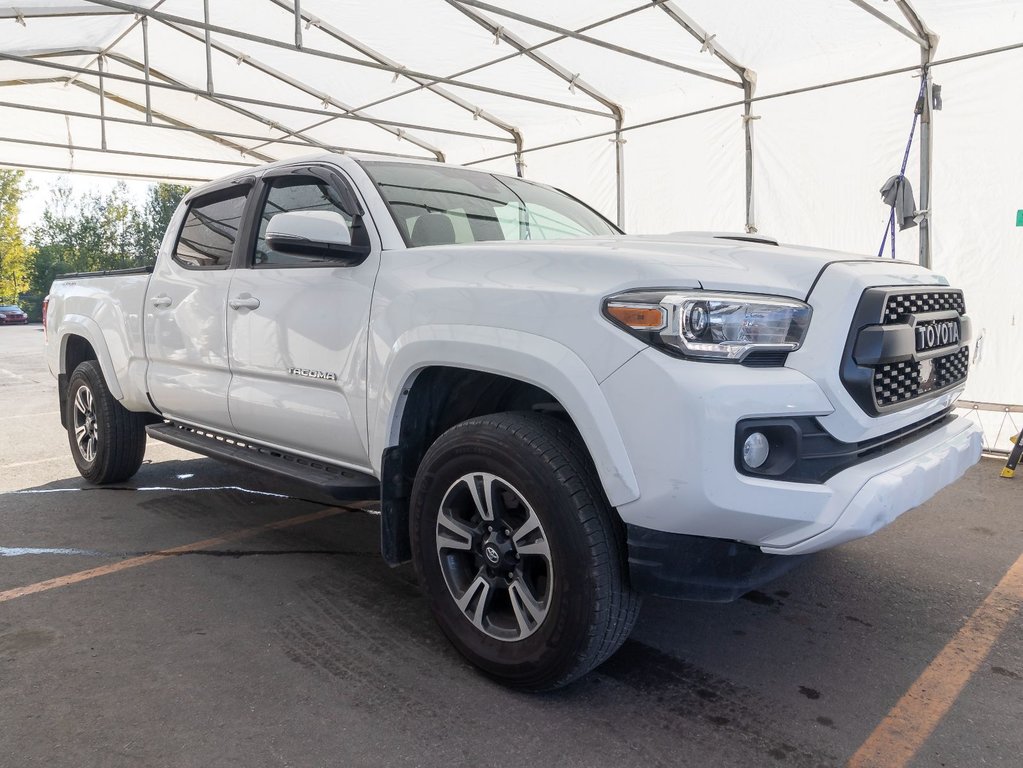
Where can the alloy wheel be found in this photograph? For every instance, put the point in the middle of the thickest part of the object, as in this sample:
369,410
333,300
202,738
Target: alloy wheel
86,427
495,556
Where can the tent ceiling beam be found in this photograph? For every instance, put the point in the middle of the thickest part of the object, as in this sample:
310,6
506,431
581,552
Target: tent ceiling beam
120,36
268,41
866,6
573,82
517,53
253,101
125,152
542,59
475,110
749,83
32,81
321,96
132,105
130,62
56,11
210,131
120,174
755,99
687,22
930,39
594,41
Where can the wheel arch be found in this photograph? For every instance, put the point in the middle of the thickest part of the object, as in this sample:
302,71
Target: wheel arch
77,345
440,377
82,336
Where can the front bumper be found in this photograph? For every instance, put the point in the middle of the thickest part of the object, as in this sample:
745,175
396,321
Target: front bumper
876,492
683,453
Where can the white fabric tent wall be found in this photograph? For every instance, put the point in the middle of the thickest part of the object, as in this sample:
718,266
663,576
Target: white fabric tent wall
820,156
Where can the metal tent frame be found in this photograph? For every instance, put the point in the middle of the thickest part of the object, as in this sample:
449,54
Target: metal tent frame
112,76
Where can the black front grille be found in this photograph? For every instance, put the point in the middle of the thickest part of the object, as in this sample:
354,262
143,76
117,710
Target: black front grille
901,305
896,375
951,369
898,382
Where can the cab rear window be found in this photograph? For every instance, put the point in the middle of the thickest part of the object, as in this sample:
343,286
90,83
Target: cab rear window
208,236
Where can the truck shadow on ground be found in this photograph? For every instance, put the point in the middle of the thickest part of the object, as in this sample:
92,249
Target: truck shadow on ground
740,679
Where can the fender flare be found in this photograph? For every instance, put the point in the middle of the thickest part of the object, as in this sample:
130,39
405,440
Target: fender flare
88,329
526,357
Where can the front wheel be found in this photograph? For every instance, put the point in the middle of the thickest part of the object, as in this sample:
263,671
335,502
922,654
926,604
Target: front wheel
519,553
107,440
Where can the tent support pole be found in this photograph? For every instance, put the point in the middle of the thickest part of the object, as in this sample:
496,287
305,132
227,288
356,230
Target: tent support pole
145,64
619,141
748,81
298,23
209,48
926,154
928,43
747,127
102,105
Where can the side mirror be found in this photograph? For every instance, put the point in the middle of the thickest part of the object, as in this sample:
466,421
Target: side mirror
313,233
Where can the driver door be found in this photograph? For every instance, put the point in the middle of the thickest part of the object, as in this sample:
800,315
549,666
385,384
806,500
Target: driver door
297,327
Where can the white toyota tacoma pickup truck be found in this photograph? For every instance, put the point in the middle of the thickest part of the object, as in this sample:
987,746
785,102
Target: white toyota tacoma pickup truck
556,417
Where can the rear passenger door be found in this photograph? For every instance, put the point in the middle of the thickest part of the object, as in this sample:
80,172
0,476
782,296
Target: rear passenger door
185,323
298,326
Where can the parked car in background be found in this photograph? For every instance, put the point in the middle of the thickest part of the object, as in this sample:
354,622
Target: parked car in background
11,314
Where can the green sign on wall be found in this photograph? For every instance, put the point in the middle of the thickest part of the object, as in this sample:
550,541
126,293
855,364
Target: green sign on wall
1019,218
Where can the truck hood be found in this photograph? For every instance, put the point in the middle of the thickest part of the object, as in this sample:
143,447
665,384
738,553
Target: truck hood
709,260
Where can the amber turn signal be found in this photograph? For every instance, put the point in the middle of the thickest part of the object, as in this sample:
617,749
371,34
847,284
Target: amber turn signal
638,317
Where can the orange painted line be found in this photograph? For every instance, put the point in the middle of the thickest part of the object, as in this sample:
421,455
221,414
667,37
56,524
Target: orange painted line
135,562
898,737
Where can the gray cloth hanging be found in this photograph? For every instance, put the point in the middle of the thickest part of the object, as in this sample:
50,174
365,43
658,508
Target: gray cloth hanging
898,192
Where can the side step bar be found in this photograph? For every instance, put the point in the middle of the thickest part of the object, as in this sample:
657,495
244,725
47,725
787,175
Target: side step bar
334,483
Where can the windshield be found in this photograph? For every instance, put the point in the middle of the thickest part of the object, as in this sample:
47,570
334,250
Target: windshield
439,205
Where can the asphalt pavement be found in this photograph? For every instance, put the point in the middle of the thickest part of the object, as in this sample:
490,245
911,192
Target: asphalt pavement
276,636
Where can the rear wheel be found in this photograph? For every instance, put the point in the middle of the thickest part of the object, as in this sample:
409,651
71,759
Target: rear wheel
107,440
518,551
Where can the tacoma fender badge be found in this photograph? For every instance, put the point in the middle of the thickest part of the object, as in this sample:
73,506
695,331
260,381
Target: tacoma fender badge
309,374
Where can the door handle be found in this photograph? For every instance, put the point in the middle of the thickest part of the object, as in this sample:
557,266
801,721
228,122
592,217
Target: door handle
161,302
243,302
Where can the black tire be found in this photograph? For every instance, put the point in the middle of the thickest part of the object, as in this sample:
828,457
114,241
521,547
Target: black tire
540,470
113,443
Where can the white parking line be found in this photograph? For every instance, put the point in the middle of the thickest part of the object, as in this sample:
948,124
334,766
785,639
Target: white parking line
36,461
27,415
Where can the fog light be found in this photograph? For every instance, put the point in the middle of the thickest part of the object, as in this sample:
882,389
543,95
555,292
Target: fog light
755,450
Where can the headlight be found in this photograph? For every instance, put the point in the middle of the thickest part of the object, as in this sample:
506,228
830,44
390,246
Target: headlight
708,325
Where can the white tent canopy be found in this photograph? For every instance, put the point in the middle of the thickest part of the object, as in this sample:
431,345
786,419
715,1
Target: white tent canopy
783,117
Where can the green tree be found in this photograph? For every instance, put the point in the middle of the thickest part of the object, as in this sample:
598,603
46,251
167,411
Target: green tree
14,254
161,202
94,232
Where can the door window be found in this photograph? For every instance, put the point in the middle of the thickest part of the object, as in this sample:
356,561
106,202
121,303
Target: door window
301,193
207,239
